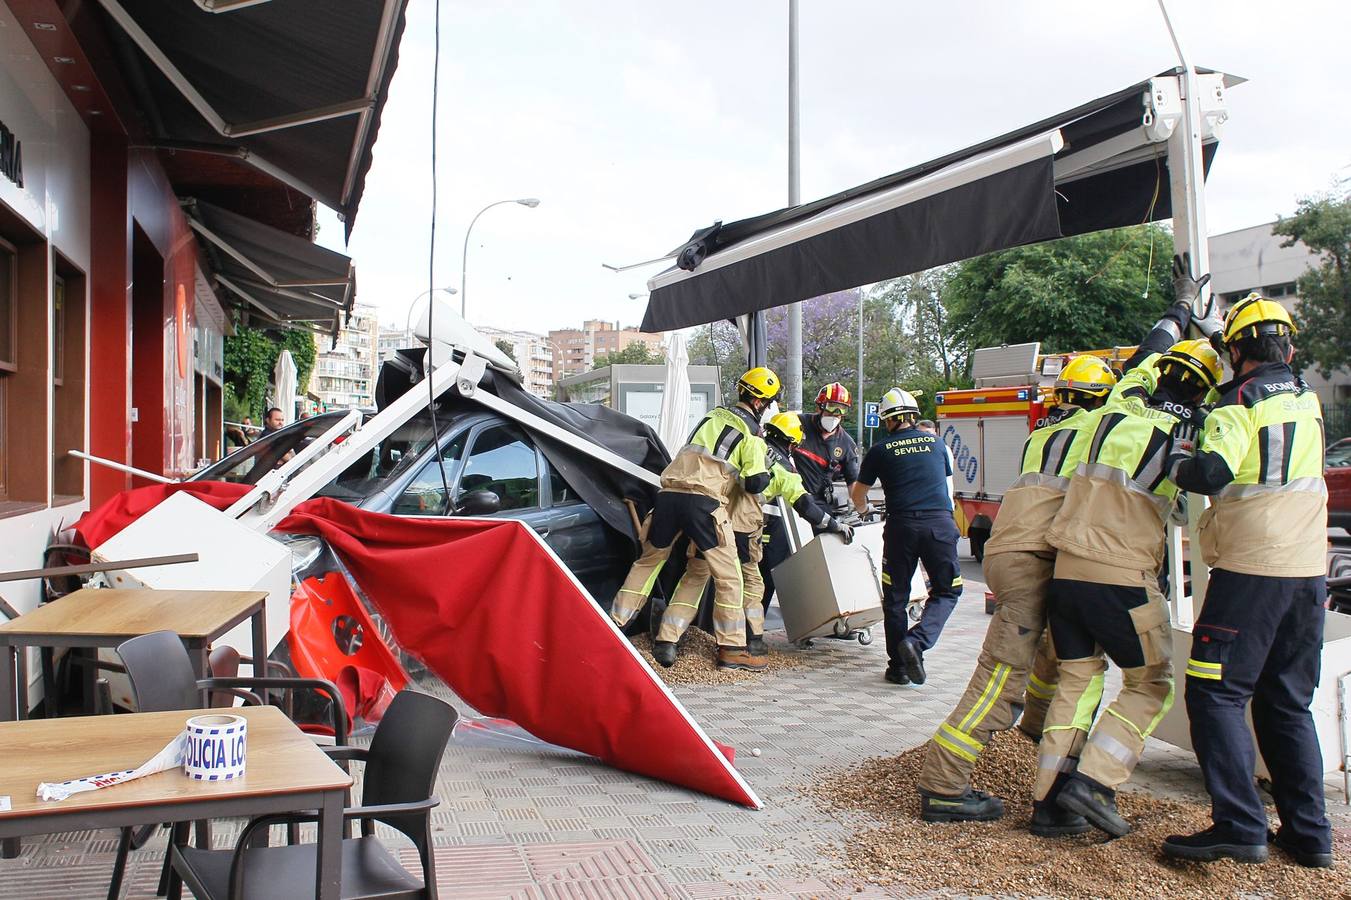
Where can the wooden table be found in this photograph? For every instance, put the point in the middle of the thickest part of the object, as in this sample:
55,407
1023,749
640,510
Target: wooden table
286,772
92,618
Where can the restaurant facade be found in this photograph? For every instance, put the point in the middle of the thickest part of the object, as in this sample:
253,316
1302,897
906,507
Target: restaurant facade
160,164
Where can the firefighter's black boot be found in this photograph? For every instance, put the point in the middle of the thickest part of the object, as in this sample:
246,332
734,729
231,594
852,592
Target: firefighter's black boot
664,652
1095,803
1049,820
755,646
972,806
913,660
1305,855
1210,845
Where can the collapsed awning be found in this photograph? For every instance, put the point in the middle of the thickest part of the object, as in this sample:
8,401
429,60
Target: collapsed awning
295,88
283,278
1101,165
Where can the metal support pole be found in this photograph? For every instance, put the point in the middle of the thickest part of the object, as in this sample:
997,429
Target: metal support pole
793,396
858,400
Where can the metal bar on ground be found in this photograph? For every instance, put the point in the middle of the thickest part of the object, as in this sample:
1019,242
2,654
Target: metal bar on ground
91,568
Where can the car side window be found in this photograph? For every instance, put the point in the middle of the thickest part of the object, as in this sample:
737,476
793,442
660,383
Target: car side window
502,461
560,491
426,494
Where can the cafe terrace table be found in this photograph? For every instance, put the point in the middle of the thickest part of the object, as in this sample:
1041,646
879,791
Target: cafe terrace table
285,772
105,617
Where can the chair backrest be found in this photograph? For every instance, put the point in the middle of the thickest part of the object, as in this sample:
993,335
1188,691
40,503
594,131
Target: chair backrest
405,756
160,671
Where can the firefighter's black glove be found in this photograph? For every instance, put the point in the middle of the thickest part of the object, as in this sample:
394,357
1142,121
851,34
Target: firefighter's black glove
1182,444
835,526
1185,288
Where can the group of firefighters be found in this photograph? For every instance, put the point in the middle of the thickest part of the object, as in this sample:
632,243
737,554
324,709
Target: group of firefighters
1074,561
1076,554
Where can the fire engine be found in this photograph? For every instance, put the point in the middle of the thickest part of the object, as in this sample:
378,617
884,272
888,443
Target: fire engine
985,426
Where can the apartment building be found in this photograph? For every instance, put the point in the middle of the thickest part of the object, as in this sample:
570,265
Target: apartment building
532,353
575,349
345,368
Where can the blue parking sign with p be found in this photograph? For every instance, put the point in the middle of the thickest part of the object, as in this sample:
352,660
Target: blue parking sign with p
870,417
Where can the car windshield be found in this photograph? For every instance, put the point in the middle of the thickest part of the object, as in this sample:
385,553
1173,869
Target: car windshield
250,463
387,460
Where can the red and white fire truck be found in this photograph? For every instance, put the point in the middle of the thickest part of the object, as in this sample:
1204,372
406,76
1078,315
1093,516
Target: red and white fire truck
985,426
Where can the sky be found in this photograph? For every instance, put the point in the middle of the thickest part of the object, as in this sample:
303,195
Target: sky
636,123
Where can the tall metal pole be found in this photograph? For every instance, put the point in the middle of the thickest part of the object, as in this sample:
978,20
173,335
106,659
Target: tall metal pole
529,202
793,395
858,400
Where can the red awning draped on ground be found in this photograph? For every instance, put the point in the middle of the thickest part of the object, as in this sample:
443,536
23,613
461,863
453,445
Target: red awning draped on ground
521,641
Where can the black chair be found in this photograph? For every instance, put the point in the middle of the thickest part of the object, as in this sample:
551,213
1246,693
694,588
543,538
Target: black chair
400,772
162,679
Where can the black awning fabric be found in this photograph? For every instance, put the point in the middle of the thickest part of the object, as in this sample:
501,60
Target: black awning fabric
286,277
283,58
1020,205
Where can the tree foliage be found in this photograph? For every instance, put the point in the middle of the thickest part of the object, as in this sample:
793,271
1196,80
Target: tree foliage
1095,290
506,347
719,344
250,356
1323,313
636,353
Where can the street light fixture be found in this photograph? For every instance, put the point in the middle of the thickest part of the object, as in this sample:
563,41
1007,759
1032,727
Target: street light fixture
528,202
637,296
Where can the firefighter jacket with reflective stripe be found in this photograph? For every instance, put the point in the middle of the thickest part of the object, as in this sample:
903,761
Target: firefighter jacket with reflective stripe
724,449
1261,457
1120,496
1050,455
820,457
784,481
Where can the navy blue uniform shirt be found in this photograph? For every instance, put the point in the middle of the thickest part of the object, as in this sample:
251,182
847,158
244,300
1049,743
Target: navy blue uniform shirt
914,469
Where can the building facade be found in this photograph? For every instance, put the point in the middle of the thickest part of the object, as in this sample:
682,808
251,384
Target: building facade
534,356
1253,259
390,340
345,367
575,349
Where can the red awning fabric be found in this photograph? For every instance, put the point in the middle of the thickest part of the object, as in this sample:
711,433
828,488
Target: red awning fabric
522,641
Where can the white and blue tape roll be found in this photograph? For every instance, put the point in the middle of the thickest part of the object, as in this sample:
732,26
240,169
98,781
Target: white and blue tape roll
215,747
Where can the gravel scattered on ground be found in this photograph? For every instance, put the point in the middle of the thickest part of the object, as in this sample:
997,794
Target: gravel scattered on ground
697,660
893,846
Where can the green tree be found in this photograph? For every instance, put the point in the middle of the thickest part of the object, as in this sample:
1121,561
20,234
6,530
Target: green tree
506,347
719,344
1323,313
250,356
636,353
1095,290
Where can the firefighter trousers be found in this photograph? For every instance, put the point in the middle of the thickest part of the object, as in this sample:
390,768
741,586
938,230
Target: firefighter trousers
1090,623
704,521
909,538
1013,671
1259,639
684,605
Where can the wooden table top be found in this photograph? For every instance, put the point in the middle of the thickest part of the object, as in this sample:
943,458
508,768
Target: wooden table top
281,760
114,613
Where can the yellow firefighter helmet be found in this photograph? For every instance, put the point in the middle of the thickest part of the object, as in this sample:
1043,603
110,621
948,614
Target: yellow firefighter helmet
785,426
1254,315
1086,375
760,382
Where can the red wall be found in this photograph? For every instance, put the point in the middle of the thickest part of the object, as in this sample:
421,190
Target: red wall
137,344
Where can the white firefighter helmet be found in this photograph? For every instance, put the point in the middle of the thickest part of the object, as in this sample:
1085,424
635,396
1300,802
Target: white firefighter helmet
897,402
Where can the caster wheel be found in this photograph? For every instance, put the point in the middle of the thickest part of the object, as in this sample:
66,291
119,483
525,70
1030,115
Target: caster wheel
804,644
841,628
865,637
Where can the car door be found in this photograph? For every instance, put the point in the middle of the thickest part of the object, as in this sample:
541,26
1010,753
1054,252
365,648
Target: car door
597,555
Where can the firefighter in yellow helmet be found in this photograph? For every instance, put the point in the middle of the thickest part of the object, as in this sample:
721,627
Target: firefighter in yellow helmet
724,453
1259,635
781,434
1016,668
1104,599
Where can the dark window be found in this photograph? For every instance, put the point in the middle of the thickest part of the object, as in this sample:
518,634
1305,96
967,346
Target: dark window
426,494
9,306
561,492
59,329
503,462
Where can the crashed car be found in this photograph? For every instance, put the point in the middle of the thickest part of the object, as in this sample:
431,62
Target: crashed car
492,466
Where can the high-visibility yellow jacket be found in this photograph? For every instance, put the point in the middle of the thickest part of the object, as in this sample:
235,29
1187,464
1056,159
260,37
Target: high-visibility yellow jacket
1261,456
1120,496
1051,454
784,481
724,450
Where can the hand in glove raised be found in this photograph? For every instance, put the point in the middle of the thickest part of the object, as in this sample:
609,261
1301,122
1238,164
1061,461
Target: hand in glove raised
1185,288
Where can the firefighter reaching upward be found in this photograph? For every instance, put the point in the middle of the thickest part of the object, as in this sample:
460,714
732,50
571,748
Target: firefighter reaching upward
724,452
1104,599
1259,636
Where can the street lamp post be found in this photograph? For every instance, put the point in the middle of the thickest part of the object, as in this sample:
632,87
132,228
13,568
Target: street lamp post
408,320
529,202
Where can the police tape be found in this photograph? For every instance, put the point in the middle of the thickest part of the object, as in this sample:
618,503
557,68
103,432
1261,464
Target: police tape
210,748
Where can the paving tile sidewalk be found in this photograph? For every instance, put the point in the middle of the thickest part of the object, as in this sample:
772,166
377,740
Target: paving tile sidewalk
521,824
